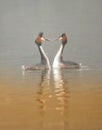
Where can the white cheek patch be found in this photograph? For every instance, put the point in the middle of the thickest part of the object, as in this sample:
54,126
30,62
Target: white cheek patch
60,38
42,39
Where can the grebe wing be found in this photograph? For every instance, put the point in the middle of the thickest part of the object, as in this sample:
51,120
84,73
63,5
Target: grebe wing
69,65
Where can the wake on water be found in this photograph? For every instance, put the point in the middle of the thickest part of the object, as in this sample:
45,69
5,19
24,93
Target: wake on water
82,67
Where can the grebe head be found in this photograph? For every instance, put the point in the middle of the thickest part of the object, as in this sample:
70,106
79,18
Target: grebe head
63,38
41,34
39,39
63,34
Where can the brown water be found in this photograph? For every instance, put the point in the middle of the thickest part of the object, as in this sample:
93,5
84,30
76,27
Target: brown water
59,99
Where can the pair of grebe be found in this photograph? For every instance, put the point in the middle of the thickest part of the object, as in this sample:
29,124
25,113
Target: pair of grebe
58,62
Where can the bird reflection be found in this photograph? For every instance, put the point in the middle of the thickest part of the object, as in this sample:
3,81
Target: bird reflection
53,98
61,90
43,92
62,95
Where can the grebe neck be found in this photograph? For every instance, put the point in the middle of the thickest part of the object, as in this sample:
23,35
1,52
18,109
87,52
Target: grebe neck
44,58
58,58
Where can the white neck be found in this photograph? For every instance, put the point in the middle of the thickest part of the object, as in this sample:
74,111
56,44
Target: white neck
44,58
58,56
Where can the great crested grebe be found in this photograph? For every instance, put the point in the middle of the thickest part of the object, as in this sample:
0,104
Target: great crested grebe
58,60
44,64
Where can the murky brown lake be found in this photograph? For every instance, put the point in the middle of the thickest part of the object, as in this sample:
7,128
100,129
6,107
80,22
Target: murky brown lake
59,100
